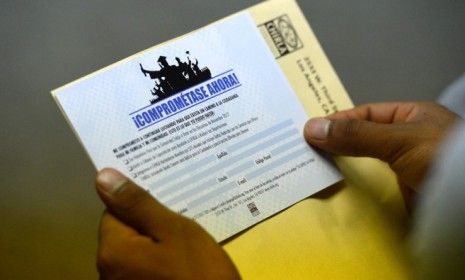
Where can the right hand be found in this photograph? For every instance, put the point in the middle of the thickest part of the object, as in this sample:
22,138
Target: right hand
142,239
405,135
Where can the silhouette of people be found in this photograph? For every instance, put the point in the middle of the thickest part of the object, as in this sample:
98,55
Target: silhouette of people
171,79
157,90
165,86
186,69
195,66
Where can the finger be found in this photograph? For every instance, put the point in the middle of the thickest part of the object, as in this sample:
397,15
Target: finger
113,230
133,205
121,247
358,138
389,112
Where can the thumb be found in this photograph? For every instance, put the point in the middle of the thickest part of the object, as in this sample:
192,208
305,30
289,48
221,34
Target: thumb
133,205
353,137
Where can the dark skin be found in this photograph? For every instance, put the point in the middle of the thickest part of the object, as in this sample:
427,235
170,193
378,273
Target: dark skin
404,135
142,239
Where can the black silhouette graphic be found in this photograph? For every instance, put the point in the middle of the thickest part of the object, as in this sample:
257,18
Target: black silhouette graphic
171,79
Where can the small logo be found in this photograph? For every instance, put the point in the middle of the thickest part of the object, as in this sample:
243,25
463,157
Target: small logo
280,32
171,79
253,209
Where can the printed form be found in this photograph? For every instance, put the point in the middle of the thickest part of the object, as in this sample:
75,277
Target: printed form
207,123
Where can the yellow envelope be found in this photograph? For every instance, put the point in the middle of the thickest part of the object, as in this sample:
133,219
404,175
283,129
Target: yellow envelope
352,230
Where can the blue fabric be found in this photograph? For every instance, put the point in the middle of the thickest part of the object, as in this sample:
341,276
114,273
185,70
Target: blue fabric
454,97
438,237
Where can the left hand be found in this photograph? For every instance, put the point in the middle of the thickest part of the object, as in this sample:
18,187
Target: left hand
142,239
404,134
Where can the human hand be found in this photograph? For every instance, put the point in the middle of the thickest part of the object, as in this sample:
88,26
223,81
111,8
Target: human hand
141,239
405,135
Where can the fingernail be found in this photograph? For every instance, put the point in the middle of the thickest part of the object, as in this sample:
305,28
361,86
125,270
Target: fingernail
110,180
318,128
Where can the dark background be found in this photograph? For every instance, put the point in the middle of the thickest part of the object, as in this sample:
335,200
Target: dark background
49,212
